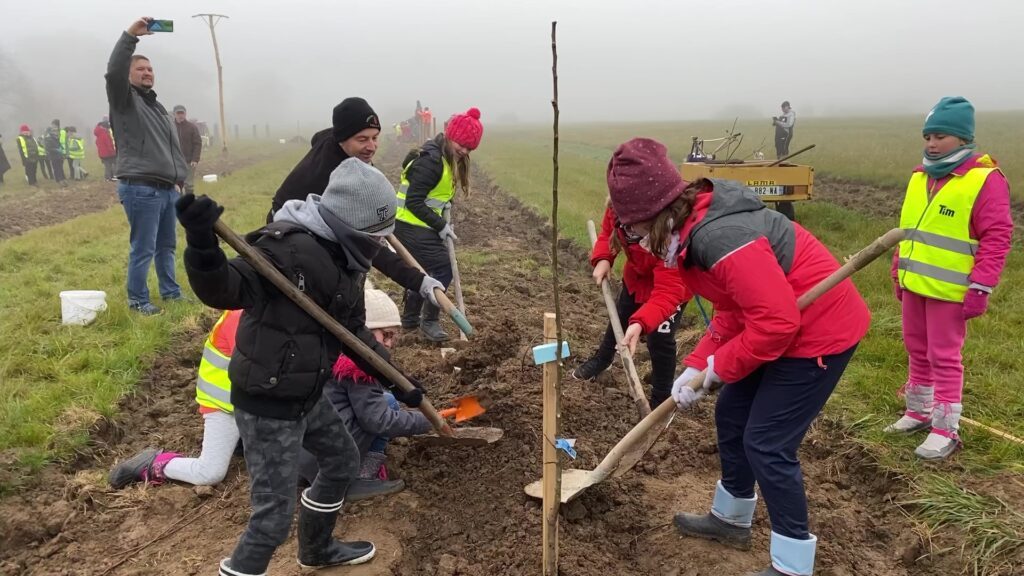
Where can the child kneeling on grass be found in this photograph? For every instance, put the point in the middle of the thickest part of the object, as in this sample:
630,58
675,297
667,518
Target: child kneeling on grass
371,413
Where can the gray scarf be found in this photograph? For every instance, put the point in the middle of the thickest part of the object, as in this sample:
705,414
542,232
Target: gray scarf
359,248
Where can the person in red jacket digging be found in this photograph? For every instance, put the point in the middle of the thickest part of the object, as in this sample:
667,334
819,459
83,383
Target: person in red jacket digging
650,302
778,365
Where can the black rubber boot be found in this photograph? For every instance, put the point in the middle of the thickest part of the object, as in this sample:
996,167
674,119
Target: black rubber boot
709,527
659,396
364,489
429,325
411,310
131,469
591,369
319,549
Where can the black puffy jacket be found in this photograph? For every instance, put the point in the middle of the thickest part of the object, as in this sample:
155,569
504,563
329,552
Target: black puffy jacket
282,355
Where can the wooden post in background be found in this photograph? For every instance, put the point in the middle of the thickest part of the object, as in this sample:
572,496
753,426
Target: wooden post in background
552,478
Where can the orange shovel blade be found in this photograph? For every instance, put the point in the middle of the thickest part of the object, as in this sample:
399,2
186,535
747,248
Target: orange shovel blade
466,408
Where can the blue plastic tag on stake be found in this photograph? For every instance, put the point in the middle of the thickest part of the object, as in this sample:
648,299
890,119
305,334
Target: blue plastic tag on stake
546,352
566,445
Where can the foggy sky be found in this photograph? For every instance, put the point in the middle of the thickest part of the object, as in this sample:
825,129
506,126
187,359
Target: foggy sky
289,62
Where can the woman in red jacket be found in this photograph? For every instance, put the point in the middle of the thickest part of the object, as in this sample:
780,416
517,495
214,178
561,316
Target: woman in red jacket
650,302
778,365
105,147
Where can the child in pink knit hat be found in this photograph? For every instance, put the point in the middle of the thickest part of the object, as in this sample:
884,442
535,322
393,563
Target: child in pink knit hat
430,177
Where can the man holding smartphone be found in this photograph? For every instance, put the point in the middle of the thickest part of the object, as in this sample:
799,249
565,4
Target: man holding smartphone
150,168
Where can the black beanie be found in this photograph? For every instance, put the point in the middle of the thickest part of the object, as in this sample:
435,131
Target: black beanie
352,116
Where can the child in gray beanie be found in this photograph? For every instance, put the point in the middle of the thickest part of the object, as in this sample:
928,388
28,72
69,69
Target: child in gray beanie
283,357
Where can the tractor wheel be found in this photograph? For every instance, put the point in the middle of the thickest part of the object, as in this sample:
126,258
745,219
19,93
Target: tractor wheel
786,209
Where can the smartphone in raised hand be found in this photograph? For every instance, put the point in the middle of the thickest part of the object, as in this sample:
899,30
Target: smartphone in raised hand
160,26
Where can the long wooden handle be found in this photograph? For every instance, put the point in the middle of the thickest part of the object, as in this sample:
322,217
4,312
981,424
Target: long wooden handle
859,260
456,277
268,271
636,390
446,304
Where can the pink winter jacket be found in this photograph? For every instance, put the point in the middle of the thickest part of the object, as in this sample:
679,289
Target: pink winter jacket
991,223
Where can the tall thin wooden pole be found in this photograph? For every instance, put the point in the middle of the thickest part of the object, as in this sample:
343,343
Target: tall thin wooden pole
552,478
211,20
552,475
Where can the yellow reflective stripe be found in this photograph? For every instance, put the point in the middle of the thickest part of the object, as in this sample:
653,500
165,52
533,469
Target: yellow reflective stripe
969,248
936,272
213,391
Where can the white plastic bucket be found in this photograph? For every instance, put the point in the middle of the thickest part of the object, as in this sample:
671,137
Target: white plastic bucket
210,178
80,307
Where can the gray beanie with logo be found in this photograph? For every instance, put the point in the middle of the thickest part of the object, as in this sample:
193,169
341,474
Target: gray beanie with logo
361,197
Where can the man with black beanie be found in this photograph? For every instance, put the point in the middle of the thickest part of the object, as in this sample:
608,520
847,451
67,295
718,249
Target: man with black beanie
353,134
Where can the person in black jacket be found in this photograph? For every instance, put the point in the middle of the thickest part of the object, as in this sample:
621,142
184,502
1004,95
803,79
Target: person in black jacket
354,132
283,357
430,177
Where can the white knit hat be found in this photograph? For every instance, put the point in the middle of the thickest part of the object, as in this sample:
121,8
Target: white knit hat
381,311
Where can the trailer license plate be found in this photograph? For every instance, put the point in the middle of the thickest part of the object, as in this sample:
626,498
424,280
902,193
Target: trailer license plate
769,190
766,188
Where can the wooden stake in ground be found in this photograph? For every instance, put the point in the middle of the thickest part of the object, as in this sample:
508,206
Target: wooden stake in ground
211,21
552,478
633,386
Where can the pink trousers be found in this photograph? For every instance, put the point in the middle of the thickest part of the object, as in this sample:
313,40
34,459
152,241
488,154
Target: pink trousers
933,332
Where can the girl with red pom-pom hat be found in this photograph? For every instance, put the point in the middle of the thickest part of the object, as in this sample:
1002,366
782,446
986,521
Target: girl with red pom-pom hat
430,176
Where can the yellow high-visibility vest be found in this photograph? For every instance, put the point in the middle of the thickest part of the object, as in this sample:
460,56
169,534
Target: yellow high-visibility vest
937,254
29,151
76,148
213,387
437,199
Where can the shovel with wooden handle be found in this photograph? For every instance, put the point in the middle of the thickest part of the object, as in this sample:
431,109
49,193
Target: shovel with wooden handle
446,304
456,277
268,271
636,390
639,440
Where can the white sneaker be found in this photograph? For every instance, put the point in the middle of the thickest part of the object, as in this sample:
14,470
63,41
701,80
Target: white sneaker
936,447
907,425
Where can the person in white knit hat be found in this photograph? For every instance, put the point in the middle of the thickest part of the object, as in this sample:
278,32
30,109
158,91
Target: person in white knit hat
371,412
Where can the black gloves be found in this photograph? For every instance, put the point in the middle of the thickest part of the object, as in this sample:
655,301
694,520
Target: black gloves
197,216
411,399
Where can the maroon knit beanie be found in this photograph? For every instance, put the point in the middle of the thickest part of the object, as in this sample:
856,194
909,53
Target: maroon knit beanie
642,180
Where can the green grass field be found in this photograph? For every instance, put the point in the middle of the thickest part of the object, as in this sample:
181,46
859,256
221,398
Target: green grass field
55,380
881,151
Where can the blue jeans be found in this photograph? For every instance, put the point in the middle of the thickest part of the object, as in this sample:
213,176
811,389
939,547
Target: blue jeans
152,225
761,421
381,442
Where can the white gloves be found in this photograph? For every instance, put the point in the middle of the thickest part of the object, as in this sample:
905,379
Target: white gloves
427,289
681,391
711,380
446,232
685,396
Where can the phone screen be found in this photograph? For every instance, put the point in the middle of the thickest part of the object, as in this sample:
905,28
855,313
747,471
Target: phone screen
161,26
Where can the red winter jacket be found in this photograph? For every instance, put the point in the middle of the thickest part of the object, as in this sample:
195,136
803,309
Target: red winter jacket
104,142
752,264
658,288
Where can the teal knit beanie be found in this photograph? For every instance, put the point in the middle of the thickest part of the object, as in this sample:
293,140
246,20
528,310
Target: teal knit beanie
953,115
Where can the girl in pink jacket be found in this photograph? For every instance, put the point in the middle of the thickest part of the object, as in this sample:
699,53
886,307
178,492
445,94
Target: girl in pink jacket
957,218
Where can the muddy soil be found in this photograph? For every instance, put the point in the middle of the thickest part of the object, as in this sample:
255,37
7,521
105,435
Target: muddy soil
50,204
464,511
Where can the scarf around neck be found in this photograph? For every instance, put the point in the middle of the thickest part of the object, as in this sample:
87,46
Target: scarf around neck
940,166
359,248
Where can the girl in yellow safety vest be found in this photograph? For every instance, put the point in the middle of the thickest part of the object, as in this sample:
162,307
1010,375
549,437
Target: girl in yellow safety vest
430,177
956,215
220,434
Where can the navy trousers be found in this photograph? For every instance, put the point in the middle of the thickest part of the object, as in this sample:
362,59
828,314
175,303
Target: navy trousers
761,421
